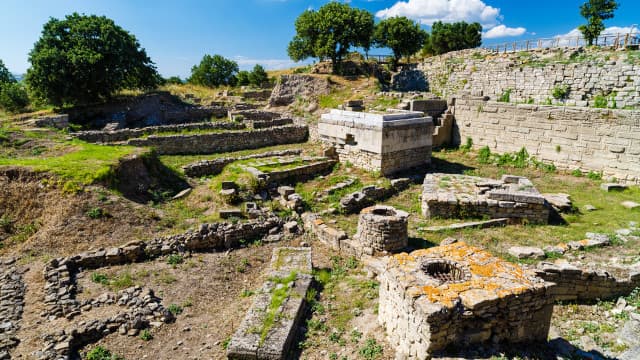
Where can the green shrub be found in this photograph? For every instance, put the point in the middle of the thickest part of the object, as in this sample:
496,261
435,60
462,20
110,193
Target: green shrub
467,146
577,173
99,278
101,353
175,259
593,175
175,309
13,97
371,350
600,102
146,335
96,213
484,155
506,96
560,92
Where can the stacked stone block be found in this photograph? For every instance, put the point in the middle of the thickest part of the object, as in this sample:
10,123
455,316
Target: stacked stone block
461,196
224,141
496,302
215,166
12,289
382,229
604,140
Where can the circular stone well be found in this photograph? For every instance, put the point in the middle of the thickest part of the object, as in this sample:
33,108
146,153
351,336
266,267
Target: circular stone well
445,271
382,228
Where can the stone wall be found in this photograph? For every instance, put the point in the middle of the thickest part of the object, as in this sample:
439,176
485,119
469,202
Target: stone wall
533,75
570,137
291,87
494,301
573,283
261,124
223,142
302,172
253,340
97,136
382,229
215,166
12,290
369,195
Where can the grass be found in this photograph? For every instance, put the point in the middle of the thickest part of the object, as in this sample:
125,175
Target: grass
279,295
101,353
84,163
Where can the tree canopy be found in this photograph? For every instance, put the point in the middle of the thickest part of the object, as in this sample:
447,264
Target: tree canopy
330,32
451,37
402,35
5,75
83,58
258,76
596,11
214,71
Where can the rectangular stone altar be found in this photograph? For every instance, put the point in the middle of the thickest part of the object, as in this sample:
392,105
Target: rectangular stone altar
385,142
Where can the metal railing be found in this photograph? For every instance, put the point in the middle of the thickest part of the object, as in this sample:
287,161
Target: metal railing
616,41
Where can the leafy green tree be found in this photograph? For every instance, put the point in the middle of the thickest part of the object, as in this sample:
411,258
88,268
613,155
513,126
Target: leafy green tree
13,97
403,36
173,80
214,71
258,76
243,78
330,32
5,75
452,37
596,11
83,58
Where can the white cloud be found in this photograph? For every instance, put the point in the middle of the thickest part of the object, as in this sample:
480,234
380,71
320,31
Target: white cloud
429,11
503,31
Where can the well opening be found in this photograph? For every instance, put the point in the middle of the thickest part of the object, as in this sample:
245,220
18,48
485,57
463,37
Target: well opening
444,271
383,212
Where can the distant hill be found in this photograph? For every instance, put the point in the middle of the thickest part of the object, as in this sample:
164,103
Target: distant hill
19,77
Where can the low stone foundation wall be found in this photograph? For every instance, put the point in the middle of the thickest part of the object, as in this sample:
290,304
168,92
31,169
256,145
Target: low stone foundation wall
126,134
254,115
223,142
301,173
573,283
326,234
215,166
12,290
368,195
261,124
460,196
257,338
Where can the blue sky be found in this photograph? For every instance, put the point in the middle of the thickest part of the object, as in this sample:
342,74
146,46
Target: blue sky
176,34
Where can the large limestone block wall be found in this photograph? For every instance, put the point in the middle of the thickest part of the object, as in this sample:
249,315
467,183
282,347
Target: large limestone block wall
570,137
533,75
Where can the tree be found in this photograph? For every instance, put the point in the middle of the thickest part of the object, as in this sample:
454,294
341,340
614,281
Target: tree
258,76
452,37
5,75
403,36
82,59
243,78
595,11
330,32
214,71
173,80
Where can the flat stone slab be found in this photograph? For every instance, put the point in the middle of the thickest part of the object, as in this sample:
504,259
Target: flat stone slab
561,202
630,204
608,187
182,194
268,330
228,213
592,240
526,252
466,225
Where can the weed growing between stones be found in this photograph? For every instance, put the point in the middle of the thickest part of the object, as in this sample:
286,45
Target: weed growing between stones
280,292
101,353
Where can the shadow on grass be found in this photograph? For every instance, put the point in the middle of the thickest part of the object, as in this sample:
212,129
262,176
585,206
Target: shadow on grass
443,166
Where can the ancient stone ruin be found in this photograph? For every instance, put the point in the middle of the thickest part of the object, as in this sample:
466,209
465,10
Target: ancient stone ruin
269,328
459,295
384,142
462,196
382,228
